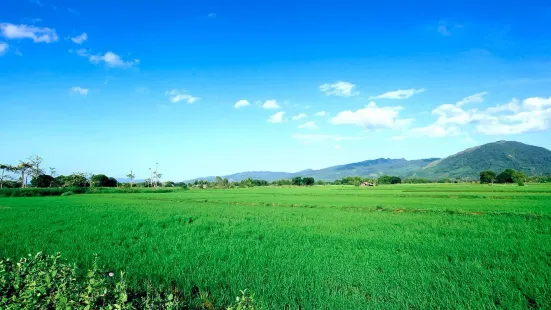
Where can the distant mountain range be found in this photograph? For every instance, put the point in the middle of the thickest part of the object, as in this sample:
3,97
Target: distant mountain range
496,156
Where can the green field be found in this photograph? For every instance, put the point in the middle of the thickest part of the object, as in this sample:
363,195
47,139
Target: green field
389,247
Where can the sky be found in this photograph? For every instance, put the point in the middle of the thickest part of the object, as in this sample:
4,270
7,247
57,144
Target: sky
218,87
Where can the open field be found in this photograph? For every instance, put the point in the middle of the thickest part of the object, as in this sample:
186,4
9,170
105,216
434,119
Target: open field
402,246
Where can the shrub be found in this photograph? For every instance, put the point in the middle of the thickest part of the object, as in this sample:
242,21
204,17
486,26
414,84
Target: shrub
48,282
69,193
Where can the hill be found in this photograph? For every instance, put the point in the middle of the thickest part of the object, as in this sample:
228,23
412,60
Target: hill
496,156
373,168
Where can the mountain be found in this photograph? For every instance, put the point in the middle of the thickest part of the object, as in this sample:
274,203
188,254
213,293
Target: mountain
372,168
369,168
260,175
496,156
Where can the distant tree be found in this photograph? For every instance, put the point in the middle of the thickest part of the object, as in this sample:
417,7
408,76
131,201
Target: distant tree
23,167
131,176
297,181
487,176
35,161
112,182
320,182
77,179
387,179
308,181
416,181
42,180
100,180
4,168
506,176
169,184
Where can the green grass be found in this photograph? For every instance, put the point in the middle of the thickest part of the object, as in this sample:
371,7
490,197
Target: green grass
388,247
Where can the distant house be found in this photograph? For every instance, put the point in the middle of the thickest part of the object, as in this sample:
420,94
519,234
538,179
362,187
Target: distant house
367,184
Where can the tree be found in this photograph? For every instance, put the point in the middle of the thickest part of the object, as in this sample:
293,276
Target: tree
387,179
42,180
75,180
4,168
112,182
487,176
35,161
102,180
23,167
131,176
297,181
308,181
506,176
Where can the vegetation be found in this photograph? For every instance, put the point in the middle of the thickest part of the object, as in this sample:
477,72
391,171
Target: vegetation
48,282
386,179
333,247
496,156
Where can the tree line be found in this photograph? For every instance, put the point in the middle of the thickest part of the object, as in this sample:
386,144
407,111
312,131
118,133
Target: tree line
506,176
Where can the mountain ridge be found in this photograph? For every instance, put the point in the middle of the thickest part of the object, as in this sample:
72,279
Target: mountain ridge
496,156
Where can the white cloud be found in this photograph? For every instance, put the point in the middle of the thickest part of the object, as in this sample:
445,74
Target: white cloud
476,98
337,146
37,34
399,94
314,138
309,125
277,118
270,104
533,114
321,113
340,88
80,90
372,117
211,15
112,60
80,38
81,52
241,103
436,131
299,116
3,48
177,96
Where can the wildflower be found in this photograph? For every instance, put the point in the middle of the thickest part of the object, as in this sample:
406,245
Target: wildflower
111,274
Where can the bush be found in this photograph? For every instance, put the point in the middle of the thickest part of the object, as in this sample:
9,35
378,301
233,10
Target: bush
35,192
48,282
69,193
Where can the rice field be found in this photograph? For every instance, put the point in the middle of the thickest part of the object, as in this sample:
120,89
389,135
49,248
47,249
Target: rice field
390,247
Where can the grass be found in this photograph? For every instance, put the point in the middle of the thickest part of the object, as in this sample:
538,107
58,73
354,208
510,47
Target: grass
388,247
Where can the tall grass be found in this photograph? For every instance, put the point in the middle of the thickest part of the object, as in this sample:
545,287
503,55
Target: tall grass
58,191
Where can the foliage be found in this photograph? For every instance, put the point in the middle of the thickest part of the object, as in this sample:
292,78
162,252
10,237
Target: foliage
487,176
511,176
36,192
101,180
308,181
48,282
297,181
42,180
387,179
72,180
416,181
282,182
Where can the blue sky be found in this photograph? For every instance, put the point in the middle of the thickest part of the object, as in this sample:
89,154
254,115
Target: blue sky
103,87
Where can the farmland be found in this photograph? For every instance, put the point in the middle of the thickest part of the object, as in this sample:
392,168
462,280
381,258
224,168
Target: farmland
333,247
